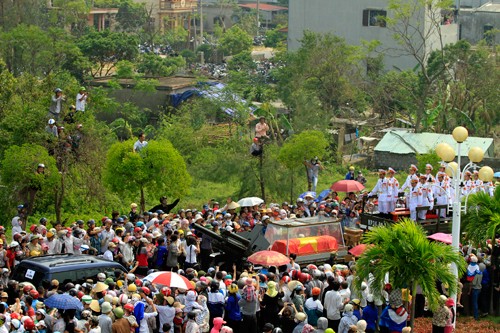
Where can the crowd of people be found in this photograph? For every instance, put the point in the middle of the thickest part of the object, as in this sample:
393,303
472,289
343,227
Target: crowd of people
244,298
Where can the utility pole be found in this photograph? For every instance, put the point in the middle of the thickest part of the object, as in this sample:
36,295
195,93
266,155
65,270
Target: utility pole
200,4
258,16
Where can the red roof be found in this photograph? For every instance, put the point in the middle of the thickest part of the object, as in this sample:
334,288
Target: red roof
264,7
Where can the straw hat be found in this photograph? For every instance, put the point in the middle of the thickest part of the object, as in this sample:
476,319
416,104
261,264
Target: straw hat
99,287
94,306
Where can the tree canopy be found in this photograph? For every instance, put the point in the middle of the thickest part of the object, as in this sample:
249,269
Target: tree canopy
157,169
403,250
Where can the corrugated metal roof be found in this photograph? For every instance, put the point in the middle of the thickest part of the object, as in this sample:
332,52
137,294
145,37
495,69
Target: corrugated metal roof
402,142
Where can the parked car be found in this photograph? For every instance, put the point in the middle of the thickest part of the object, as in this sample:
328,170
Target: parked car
64,268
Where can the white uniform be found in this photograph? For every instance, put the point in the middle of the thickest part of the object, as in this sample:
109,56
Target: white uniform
380,190
427,199
414,201
392,193
441,192
468,187
490,188
478,186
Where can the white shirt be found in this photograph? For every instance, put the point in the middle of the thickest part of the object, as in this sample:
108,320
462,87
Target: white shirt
54,246
108,255
81,100
143,326
312,304
138,145
333,304
166,314
107,236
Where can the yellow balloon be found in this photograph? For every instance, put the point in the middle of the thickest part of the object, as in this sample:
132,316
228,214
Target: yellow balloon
445,152
476,154
486,174
460,134
451,169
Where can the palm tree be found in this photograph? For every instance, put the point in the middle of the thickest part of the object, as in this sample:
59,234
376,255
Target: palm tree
412,260
482,221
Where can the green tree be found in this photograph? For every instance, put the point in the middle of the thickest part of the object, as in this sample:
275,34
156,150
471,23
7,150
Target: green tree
403,251
482,220
235,41
405,23
105,49
154,65
158,169
29,49
300,147
274,37
19,173
320,79
131,16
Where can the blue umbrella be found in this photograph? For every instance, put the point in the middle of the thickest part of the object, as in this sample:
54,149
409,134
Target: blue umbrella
496,174
323,194
303,195
63,302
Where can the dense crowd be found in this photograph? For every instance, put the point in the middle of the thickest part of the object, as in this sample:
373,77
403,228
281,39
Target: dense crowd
242,299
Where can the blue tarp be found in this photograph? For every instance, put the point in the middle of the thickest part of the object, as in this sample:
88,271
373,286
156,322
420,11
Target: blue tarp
210,90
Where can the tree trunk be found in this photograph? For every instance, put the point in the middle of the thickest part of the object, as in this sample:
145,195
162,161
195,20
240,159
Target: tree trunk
413,303
143,201
291,187
59,198
261,178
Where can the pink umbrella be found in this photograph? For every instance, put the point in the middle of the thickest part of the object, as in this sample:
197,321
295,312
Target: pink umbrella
441,237
169,279
347,186
268,258
358,250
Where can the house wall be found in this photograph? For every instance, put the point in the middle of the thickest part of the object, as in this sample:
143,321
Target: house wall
345,19
383,160
473,23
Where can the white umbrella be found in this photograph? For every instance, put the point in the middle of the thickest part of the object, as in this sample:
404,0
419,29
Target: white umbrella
250,201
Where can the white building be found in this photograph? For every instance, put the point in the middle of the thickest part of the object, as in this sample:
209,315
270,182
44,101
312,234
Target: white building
360,20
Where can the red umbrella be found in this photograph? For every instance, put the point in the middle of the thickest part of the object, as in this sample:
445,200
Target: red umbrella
441,237
347,186
358,250
268,258
169,279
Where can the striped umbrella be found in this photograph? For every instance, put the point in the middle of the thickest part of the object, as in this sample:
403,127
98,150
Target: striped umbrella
169,279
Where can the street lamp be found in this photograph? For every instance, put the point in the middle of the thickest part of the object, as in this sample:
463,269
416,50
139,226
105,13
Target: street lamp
447,154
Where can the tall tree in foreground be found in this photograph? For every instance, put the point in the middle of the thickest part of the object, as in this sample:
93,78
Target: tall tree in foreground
403,251
157,169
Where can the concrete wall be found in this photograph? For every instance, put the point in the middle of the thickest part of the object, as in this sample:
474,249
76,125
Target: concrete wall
396,161
473,23
211,11
345,19
475,3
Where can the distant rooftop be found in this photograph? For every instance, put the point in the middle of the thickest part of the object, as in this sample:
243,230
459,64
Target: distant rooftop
403,142
165,83
263,6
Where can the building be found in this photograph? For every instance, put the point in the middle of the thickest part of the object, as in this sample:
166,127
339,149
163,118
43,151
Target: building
102,18
481,23
99,18
398,149
171,14
360,20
